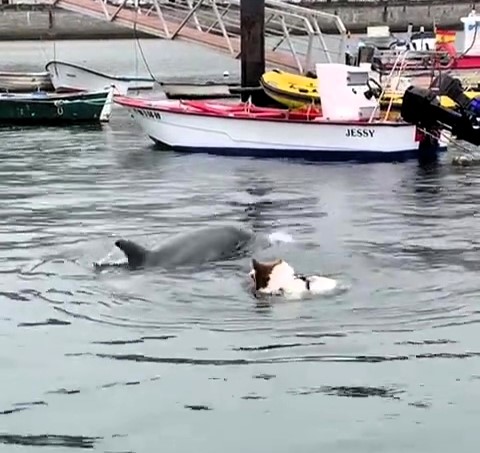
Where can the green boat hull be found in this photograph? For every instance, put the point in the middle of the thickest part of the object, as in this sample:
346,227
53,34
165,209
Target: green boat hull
52,109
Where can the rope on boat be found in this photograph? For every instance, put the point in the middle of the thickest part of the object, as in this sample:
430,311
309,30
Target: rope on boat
465,157
474,38
248,105
135,34
61,102
59,105
311,106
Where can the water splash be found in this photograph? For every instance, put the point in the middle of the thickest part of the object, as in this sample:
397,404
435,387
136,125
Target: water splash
279,237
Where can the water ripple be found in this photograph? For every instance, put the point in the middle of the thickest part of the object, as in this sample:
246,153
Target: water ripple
402,240
45,440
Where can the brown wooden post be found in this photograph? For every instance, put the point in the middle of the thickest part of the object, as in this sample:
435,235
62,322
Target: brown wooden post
252,47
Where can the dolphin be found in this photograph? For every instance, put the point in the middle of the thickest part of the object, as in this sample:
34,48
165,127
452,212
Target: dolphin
187,249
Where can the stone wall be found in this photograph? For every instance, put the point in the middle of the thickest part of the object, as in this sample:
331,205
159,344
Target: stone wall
23,22
358,14
37,21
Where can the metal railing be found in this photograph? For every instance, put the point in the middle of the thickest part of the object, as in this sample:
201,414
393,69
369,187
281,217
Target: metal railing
307,35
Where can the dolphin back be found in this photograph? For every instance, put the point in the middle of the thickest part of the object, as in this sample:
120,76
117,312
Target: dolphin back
201,246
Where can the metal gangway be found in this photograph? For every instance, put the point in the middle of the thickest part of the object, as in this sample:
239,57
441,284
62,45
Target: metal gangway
296,38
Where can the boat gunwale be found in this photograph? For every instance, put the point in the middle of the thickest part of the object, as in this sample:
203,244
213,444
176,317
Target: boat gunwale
23,75
66,97
137,103
98,73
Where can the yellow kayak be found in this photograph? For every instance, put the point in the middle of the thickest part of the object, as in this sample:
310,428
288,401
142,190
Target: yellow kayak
295,91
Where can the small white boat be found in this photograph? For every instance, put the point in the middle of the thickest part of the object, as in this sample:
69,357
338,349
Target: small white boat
20,82
72,77
347,129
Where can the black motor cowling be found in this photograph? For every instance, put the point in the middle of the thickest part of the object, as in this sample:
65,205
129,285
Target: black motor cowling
421,107
418,106
452,88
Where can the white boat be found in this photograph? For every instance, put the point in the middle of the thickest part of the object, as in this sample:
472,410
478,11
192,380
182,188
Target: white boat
347,129
24,81
72,77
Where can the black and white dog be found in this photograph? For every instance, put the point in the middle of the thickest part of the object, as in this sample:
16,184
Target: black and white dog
279,278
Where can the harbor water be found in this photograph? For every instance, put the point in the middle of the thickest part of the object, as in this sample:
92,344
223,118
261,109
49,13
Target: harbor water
147,361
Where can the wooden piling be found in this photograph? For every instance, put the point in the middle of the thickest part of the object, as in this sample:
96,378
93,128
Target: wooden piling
252,47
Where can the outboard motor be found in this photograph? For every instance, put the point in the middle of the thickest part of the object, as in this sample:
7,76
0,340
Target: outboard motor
418,107
422,107
453,89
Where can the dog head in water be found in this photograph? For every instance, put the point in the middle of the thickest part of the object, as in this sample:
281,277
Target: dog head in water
270,277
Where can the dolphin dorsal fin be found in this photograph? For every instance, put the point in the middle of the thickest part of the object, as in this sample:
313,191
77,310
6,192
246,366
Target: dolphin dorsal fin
135,253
